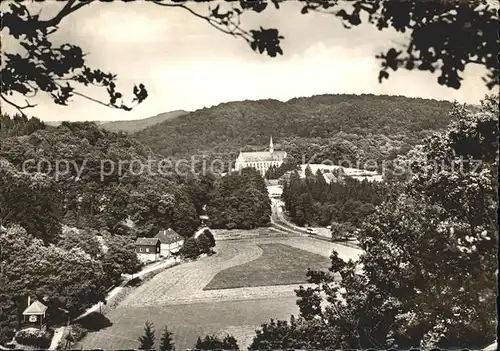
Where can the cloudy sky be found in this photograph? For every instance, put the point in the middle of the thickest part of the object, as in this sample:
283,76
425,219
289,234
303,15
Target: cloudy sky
186,64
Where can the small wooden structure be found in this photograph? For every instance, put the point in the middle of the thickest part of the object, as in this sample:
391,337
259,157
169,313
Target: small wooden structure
34,314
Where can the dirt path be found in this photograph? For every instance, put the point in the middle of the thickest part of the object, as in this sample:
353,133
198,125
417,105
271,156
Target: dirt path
161,265
58,334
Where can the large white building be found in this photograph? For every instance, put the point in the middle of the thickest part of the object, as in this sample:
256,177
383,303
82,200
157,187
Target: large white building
261,160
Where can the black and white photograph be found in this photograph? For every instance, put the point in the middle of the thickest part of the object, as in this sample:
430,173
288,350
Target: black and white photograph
249,174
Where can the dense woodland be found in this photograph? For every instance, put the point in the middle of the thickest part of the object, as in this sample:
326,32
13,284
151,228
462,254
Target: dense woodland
239,201
314,202
83,196
333,127
18,125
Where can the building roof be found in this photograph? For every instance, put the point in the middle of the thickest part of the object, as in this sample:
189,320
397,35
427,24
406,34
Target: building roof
168,236
35,308
147,241
262,156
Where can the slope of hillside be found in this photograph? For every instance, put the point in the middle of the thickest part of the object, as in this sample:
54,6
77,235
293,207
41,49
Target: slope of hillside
140,124
352,126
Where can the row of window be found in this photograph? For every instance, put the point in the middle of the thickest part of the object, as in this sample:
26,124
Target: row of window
146,249
262,164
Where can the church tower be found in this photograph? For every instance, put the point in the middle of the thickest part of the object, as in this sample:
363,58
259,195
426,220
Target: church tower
271,147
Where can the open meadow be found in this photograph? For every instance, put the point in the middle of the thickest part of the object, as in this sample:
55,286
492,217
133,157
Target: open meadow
188,321
279,264
235,290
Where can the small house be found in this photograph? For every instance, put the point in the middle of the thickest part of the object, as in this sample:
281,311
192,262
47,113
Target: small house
147,249
34,314
170,242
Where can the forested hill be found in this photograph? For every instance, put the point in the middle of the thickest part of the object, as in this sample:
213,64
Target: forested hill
131,126
363,126
140,124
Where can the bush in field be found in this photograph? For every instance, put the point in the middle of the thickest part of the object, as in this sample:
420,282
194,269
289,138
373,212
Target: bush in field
210,237
206,241
203,243
190,249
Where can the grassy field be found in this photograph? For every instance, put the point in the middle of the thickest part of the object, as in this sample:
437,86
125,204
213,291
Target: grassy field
279,264
187,322
176,296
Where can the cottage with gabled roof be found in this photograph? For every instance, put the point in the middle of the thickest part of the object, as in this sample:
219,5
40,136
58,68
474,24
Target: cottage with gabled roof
262,160
34,314
170,242
147,249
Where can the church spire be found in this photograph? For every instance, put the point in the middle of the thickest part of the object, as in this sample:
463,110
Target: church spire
271,147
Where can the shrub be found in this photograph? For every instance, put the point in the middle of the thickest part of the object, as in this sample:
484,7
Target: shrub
34,337
204,243
76,332
94,321
210,237
213,342
190,248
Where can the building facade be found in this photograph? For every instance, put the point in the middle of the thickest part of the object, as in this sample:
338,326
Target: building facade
147,249
261,161
170,242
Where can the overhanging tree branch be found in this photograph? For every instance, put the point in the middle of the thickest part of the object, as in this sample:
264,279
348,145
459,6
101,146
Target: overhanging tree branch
65,11
18,107
219,25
